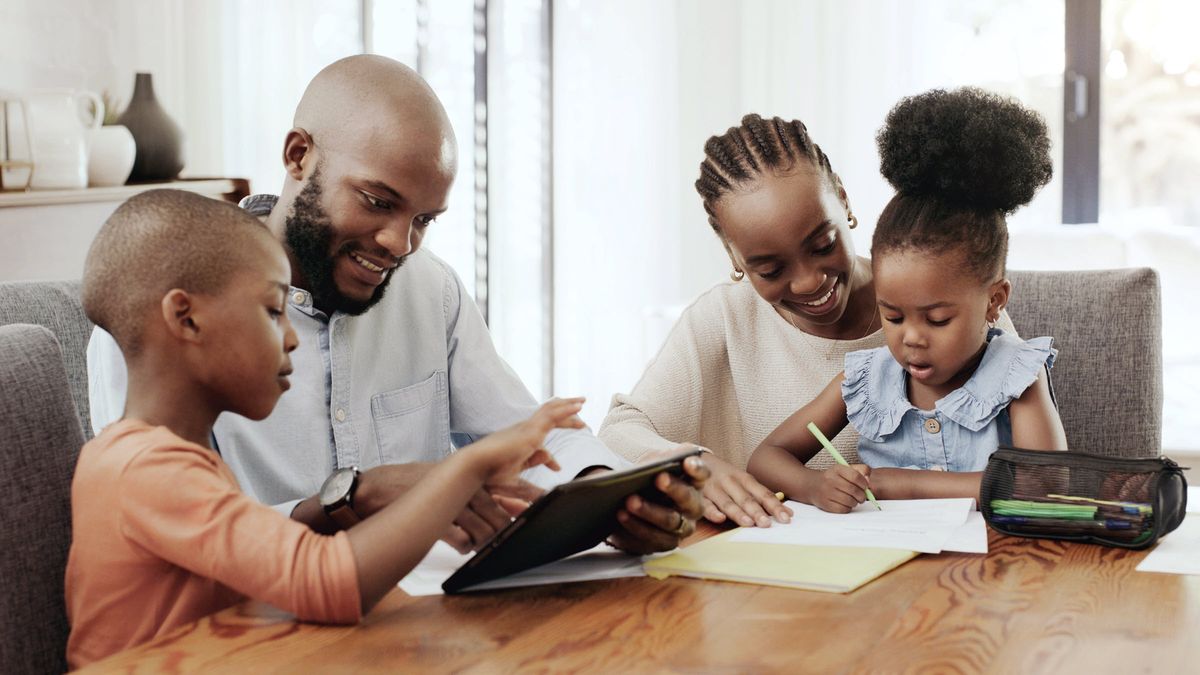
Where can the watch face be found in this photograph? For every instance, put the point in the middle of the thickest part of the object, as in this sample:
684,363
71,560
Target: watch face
337,487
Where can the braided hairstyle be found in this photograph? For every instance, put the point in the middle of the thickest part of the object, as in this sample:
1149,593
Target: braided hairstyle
733,160
960,161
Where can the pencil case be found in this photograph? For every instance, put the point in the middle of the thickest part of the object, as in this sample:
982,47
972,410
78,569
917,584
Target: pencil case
1075,496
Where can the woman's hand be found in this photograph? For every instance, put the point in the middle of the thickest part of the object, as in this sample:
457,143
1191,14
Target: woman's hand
733,494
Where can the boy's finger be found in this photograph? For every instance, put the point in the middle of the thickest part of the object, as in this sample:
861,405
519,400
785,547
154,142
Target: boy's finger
511,505
572,422
458,539
563,403
542,458
518,489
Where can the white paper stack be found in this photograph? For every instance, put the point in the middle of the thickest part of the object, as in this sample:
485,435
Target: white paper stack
925,525
602,562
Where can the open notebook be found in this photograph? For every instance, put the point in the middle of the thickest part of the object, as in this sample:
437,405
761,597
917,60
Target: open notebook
834,569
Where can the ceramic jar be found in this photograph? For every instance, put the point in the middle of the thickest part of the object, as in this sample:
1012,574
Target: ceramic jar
111,151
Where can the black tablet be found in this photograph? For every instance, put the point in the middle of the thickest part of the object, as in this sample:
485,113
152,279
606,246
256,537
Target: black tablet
572,517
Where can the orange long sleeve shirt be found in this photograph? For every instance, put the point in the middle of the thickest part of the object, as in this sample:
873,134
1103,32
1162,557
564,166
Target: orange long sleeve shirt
163,535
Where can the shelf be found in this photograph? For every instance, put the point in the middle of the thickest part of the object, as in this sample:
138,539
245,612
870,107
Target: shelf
229,189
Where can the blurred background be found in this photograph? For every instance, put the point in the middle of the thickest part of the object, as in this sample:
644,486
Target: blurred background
581,127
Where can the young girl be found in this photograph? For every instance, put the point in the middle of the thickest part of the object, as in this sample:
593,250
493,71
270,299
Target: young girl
949,387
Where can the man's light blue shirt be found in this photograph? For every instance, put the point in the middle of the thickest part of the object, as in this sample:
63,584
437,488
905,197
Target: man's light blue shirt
407,381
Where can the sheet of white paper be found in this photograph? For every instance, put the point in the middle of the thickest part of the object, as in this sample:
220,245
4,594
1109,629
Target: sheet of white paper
601,562
910,524
970,537
1193,505
1178,552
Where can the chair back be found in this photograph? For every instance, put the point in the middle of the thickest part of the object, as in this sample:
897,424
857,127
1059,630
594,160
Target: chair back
40,438
1107,326
56,306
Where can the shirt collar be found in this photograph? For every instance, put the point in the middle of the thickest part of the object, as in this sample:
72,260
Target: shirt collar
258,205
302,300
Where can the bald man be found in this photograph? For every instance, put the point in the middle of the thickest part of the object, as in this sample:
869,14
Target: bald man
395,366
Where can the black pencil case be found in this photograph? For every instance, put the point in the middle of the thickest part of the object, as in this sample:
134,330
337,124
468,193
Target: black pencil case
1075,496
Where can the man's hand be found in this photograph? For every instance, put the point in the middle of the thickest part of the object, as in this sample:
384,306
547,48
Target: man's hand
489,511
644,527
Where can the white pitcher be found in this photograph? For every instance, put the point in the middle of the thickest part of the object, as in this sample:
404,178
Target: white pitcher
59,136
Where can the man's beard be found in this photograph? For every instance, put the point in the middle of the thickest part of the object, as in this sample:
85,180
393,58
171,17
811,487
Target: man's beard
308,233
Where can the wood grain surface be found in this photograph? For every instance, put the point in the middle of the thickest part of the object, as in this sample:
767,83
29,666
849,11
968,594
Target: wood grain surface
1028,606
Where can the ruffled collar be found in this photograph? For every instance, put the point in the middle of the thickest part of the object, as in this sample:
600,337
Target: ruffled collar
876,386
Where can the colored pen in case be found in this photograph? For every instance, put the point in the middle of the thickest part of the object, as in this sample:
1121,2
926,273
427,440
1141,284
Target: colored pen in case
1106,524
837,457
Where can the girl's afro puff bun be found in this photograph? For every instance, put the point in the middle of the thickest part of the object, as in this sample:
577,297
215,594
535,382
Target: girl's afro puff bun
968,148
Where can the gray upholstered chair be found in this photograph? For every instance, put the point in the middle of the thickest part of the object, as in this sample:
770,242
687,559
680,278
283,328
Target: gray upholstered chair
55,305
1107,325
40,437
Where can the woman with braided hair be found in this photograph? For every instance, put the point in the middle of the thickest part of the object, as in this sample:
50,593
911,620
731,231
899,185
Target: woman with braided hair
744,353
949,387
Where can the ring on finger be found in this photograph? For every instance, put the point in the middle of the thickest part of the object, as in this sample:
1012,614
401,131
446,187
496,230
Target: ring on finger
680,529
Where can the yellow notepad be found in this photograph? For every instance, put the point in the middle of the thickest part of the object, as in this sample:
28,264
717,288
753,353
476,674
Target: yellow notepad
834,569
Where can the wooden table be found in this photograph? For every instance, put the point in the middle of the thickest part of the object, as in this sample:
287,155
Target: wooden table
1028,606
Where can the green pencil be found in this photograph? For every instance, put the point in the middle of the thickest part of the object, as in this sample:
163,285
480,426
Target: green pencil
837,457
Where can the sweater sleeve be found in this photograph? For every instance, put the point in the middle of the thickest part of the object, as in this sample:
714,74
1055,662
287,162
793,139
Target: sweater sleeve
176,504
689,377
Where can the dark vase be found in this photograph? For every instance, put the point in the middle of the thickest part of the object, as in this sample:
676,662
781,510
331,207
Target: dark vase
158,138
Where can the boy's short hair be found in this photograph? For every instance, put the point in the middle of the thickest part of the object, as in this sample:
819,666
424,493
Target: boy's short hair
157,241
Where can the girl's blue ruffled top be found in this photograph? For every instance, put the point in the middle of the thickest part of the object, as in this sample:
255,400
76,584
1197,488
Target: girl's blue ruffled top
964,427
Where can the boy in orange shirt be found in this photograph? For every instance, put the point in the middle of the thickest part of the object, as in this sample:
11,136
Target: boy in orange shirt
194,292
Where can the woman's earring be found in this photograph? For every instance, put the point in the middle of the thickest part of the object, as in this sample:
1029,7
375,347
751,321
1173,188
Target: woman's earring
853,221
737,275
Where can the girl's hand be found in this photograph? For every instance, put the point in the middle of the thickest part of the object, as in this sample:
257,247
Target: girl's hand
508,452
734,494
840,488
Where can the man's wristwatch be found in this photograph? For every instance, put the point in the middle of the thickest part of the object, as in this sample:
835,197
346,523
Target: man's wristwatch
337,497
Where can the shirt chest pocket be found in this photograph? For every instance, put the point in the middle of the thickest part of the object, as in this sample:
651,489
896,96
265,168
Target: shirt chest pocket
412,424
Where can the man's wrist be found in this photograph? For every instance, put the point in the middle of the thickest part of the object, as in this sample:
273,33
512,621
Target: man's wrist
368,495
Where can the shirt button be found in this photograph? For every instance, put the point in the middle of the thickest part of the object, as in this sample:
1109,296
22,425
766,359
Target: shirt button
298,298
932,425
340,415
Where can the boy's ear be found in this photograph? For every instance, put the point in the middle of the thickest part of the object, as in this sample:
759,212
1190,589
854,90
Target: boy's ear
998,298
178,309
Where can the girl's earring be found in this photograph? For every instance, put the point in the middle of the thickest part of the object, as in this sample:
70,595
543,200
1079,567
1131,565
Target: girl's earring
853,221
737,275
